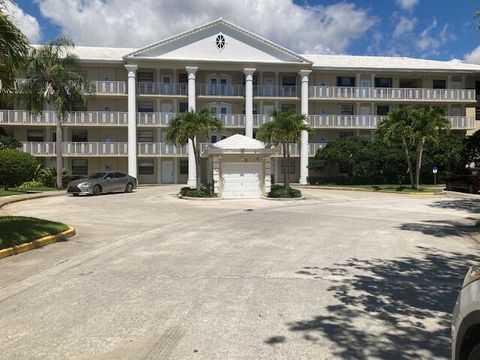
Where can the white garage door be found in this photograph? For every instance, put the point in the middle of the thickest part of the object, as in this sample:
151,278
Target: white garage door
241,180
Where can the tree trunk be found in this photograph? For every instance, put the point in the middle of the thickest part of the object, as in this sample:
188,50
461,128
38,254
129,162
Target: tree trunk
285,164
196,152
58,145
409,162
419,164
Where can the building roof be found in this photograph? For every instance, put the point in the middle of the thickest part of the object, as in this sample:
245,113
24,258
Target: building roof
387,63
228,24
239,142
98,54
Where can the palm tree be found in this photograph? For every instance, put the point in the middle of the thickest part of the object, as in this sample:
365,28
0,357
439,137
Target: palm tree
285,128
51,79
191,125
429,122
397,128
14,49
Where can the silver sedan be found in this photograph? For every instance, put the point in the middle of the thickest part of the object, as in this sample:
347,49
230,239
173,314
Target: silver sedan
101,183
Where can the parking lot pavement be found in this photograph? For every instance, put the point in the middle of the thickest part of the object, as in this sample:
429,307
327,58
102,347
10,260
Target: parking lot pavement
149,276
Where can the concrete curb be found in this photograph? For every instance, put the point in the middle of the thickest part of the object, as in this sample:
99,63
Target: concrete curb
18,198
199,198
427,193
283,199
38,243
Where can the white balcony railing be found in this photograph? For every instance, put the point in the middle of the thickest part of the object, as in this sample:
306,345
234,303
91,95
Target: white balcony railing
108,87
220,90
344,121
161,88
275,91
102,118
462,122
397,94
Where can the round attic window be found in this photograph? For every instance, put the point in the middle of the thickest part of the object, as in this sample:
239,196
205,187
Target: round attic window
220,42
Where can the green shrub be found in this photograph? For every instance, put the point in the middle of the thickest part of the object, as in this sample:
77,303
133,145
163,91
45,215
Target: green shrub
48,177
203,192
279,191
32,186
16,167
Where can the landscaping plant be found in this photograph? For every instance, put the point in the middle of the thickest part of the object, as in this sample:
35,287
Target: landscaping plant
190,126
16,167
52,80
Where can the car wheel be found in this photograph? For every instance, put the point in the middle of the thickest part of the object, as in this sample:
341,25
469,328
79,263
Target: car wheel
75,194
97,190
475,353
449,187
470,189
129,188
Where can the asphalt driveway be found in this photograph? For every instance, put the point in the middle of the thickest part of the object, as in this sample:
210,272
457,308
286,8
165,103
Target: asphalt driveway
349,275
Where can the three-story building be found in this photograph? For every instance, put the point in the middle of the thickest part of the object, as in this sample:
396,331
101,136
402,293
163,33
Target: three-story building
242,78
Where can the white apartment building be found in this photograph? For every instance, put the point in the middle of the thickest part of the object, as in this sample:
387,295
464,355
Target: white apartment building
241,77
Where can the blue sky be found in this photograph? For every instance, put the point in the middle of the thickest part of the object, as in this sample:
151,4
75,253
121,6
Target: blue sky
437,29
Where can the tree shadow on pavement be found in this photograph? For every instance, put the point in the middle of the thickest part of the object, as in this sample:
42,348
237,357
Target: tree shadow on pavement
470,205
388,309
440,228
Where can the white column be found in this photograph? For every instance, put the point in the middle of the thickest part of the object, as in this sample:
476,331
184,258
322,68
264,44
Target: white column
249,101
304,136
192,171
132,120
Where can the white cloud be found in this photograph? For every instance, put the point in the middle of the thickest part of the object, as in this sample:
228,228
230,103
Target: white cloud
404,26
25,22
407,4
474,56
429,42
127,23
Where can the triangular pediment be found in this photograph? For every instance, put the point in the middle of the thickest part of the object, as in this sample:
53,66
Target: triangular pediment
219,40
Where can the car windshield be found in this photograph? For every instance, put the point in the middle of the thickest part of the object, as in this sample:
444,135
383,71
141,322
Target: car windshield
98,175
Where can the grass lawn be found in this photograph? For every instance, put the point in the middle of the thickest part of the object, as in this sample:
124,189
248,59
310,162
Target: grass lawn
393,187
4,192
17,230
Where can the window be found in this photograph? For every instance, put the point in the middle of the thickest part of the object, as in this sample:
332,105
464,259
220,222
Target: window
118,175
35,135
108,78
382,109
289,80
183,167
346,109
145,167
220,42
145,106
291,166
145,136
383,82
144,76
183,107
439,84
79,167
166,79
288,107
183,78
345,81
79,135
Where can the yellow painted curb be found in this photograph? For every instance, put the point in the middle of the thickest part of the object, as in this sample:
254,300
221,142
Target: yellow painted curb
38,243
6,252
18,249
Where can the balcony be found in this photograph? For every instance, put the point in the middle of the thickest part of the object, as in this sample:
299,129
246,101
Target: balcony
162,89
391,94
120,149
271,91
220,90
344,121
108,87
